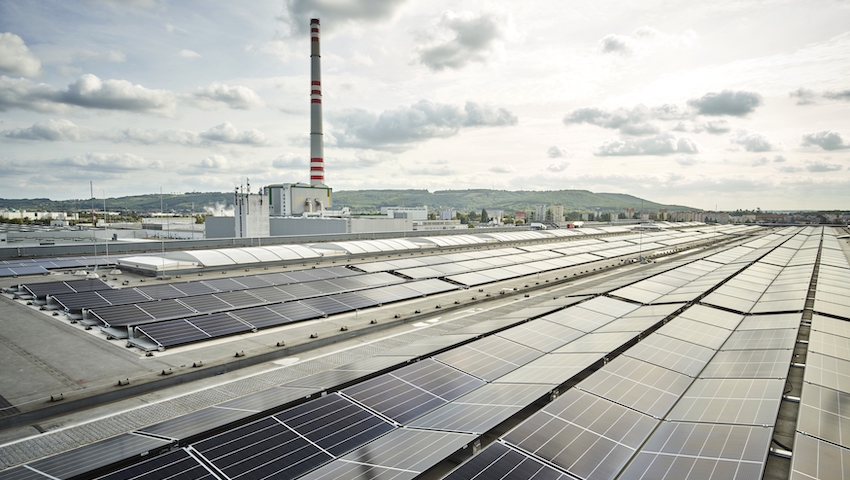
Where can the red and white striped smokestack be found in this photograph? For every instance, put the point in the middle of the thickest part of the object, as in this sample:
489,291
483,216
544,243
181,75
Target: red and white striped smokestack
317,154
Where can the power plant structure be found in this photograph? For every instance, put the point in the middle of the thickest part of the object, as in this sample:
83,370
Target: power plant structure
317,151
315,198
307,208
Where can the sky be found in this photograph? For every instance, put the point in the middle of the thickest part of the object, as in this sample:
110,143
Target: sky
714,105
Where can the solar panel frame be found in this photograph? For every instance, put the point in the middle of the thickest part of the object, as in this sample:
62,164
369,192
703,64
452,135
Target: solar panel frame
483,408
587,436
174,465
818,459
500,462
732,401
261,448
679,450
489,358
638,385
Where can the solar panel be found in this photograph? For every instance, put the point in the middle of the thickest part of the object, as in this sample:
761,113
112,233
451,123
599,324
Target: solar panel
272,294
203,304
825,413
164,309
22,270
262,449
172,332
482,409
268,399
219,324
239,299
694,332
552,369
579,318
414,390
638,385
603,343
749,364
194,423
489,358
540,335
294,311
672,353
401,454
587,436
500,462
176,465
97,455
735,401
827,371
195,288
334,424
354,300
430,287
761,339
120,315
690,450
260,317
816,459
326,305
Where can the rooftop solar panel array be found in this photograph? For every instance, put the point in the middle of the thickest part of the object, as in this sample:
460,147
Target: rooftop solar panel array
715,377
822,441
194,328
163,309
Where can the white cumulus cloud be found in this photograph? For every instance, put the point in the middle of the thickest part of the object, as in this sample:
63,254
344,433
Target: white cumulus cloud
16,58
662,144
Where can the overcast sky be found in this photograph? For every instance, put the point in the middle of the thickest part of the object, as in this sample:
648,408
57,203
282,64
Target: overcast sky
738,104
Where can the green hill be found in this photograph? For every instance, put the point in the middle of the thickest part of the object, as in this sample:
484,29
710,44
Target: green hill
367,201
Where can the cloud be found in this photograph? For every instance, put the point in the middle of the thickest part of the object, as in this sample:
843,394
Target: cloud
335,14
807,96
628,122
727,102
790,169
764,160
621,44
558,152
214,162
716,127
644,40
227,133
502,169
65,130
754,141
91,92
188,54
395,129
289,161
464,38
88,91
804,96
236,97
688,161
837,95
820,167
558,167
662,144
98,162
16,58
51,130
826,139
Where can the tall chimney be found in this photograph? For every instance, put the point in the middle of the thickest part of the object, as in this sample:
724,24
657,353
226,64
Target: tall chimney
317,154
